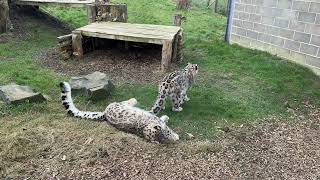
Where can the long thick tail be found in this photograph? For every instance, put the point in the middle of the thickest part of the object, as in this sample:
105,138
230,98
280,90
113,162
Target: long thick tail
160,102
67,102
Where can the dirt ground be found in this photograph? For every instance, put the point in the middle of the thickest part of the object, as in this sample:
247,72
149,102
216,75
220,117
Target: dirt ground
278,148
120,65
275,149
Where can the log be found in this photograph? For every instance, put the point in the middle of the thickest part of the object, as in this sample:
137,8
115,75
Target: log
112,12
177,19
4,16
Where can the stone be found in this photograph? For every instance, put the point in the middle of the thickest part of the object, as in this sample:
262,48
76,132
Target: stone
95,86
14,94
190,136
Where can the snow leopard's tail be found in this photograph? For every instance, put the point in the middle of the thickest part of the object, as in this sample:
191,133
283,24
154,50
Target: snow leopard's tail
67,102
160,102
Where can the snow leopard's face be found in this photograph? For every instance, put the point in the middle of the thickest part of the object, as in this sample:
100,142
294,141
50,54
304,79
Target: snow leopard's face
167,135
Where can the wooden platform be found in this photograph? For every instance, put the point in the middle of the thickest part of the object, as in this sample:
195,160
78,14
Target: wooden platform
167,36
72,3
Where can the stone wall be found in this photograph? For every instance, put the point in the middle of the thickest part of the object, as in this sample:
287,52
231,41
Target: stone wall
287,28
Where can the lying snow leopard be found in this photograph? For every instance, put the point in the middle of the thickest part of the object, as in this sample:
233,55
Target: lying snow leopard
175,85
126,117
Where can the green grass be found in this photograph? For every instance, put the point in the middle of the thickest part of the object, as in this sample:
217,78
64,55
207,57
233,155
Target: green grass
234,85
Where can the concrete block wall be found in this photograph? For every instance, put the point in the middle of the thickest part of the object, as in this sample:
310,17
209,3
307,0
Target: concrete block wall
287,28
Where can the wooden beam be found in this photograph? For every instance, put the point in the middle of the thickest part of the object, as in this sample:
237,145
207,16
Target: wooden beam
77,44
64,38
166,55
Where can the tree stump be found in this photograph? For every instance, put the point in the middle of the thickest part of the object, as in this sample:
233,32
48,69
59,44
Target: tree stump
4,16
183,4
177,19
112,12
91,13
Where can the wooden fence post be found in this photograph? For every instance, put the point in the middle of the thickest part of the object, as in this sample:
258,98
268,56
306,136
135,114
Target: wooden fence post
4,16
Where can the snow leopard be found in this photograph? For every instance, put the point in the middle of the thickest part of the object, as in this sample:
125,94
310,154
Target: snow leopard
175,85
126,117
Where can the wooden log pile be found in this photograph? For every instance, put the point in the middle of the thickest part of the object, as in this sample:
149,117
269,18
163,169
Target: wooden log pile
65,46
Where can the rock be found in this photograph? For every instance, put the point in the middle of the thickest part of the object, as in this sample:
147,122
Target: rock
13,94
95,86
190,136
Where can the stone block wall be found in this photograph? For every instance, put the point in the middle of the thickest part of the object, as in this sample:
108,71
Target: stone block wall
287,28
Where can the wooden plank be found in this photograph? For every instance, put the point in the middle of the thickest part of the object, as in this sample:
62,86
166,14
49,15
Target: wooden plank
64,38
129,33
157,31
77,44
71,3
168,29
166,55
123,38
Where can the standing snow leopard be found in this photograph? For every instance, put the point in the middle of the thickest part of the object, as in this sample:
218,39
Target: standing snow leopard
175,85
124,116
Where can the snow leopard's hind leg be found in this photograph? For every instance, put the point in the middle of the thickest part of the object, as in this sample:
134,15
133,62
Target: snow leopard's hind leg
176,102
131,102
164,118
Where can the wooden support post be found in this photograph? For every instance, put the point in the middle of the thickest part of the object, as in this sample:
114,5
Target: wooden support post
4,16
177,19
166,55
175,47
180,39
91,13
77,44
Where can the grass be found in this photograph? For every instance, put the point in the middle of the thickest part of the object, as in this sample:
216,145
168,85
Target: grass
235,85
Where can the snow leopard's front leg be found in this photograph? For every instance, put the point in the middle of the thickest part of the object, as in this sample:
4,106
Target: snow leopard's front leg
184,96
